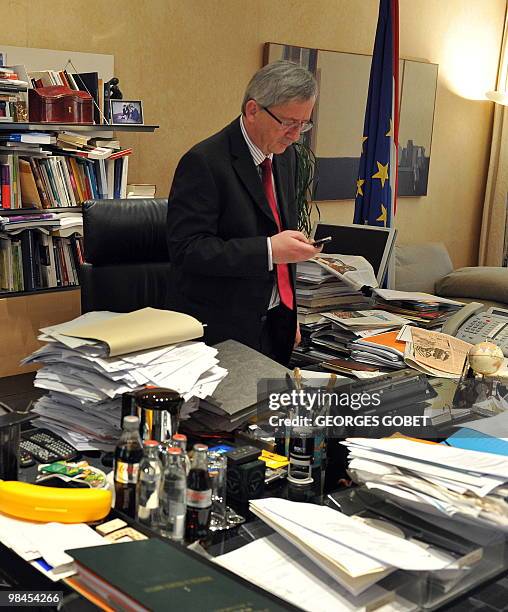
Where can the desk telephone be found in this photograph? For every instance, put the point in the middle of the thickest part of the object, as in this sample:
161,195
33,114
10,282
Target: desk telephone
473,326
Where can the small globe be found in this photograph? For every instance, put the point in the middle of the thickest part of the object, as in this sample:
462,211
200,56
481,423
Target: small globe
485,358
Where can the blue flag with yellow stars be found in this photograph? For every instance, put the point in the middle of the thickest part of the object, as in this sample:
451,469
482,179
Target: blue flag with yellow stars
376,185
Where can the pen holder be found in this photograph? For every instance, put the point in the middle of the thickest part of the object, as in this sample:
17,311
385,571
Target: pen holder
159,413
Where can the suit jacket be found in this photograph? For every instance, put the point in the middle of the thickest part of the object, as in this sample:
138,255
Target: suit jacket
218,222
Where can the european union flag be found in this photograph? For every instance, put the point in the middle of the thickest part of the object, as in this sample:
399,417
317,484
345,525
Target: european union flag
376,185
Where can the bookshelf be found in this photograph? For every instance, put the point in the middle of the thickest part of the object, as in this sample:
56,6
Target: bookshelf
23,313
72,127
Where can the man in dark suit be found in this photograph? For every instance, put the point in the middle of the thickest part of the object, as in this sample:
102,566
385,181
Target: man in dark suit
232,217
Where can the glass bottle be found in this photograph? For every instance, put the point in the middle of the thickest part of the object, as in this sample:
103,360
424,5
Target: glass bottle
180,440
199,496
173,496
150,483
128,454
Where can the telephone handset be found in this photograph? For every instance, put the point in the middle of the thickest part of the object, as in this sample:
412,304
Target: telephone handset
473,326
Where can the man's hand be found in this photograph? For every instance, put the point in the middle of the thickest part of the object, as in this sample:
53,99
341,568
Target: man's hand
291,246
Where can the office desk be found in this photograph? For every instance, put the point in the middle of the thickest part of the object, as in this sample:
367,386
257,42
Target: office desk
19,575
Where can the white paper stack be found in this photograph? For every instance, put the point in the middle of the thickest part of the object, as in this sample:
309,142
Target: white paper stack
353,552
434,478
45,543
85,386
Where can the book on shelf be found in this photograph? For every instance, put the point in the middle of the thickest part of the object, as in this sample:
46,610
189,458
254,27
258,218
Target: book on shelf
29,193
37,258
89,81
32,137
60,180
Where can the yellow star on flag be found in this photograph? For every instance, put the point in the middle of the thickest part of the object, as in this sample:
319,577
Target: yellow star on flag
390,131
364,138
383,216
359,183
382,173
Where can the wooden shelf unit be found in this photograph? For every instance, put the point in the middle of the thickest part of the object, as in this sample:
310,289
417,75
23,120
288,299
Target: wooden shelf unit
22,314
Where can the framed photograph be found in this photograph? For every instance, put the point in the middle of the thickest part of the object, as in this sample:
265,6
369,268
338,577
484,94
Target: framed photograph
126,112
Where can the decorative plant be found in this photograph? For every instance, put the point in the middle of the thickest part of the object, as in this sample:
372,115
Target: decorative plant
305,170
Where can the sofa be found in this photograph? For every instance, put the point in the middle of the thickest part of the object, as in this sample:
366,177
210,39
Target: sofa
428,267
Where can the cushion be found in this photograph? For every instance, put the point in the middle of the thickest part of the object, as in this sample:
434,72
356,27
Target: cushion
419,266
481,282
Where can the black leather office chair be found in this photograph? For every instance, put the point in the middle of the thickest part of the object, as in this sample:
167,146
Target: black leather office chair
126,255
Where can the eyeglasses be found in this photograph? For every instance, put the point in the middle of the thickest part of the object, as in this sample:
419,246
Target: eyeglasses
290,124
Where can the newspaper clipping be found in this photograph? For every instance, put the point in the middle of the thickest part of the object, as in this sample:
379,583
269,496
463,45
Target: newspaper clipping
435,353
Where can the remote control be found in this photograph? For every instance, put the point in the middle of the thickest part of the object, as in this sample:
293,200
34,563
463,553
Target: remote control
243,454
62,450
39,452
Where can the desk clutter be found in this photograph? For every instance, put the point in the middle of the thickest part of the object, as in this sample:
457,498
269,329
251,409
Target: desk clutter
129,385
86,377
347,321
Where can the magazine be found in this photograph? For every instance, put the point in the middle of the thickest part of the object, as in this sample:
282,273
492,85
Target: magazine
365,319
353,270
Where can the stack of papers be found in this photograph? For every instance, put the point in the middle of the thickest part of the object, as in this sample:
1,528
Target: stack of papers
380,349
280,568
424,309
329,547
435,478
43,544
86,377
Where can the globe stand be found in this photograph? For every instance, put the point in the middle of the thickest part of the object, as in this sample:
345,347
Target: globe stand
477,390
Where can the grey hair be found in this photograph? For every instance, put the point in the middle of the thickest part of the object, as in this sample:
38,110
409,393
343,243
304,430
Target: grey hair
280,82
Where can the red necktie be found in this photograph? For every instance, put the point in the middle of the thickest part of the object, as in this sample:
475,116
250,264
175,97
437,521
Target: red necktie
282,270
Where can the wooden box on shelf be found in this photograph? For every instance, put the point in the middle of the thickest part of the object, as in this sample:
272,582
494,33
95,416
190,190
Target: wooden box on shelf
59,104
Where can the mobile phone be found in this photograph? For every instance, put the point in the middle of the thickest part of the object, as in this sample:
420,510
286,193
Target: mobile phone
321,241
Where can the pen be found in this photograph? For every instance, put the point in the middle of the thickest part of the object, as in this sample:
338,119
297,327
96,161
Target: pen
331,382
289,382
335,502
297,375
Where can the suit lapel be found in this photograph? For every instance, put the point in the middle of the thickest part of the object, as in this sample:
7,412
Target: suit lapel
246,170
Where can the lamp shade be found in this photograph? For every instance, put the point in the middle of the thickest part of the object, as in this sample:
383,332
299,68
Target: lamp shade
501,97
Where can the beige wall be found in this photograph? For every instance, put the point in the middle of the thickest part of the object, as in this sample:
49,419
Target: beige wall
189,60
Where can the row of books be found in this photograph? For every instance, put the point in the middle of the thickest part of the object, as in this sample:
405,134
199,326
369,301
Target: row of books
59,180
13,96
34,259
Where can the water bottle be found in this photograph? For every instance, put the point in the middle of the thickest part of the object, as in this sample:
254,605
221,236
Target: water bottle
173,502
150,480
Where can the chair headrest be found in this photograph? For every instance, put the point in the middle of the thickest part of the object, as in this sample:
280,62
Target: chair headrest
125,231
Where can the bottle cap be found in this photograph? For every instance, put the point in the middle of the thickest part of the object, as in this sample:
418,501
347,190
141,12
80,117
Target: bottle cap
200,448
150,443
180,437
174,450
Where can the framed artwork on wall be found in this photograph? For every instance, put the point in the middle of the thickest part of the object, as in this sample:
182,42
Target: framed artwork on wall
336,137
